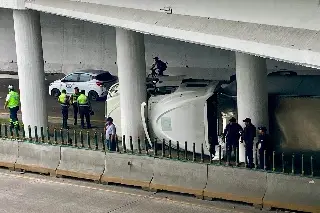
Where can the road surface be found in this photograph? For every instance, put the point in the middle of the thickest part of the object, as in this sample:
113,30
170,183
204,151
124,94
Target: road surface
36,194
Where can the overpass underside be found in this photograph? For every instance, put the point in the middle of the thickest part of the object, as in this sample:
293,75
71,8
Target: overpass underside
293,45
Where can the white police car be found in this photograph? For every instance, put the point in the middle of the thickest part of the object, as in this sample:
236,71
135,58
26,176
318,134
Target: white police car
95,83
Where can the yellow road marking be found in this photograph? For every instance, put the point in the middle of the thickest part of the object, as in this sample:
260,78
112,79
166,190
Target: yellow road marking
119,192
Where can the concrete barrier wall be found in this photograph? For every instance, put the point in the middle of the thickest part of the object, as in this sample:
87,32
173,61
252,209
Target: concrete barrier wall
292,192
81,163
236,184
177,176
8,152
42,158
128,169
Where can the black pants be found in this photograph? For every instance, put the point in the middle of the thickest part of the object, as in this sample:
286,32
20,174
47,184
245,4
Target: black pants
75,113
14,117
231,144
65,113
249,153
85,113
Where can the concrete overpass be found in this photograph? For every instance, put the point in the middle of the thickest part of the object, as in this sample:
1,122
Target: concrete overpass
255,29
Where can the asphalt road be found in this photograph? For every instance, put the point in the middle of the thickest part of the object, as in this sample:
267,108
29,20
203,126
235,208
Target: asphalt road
36,194
53,107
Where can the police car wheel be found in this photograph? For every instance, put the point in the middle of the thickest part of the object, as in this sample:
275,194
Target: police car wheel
93,96
55,92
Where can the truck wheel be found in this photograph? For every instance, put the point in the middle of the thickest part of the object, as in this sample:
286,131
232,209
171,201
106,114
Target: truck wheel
93,95
55,92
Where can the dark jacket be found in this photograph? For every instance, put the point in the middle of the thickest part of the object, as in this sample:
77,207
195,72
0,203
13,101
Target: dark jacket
265,142
249,133
232,132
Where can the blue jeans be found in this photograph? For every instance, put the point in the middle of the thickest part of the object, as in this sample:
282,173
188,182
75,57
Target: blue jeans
111,145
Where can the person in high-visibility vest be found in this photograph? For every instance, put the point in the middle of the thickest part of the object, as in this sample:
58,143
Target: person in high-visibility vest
84,109
73,101
13,103
64,102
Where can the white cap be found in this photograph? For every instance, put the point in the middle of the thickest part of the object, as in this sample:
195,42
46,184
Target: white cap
10,87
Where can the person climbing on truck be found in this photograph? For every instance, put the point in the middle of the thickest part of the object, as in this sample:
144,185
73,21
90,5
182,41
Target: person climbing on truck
159,66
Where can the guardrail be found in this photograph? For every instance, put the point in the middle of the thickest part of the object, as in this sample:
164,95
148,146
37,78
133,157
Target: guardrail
162,167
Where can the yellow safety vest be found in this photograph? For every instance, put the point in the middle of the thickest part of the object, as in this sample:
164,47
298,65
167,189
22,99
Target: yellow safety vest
63,99
14,99
83,100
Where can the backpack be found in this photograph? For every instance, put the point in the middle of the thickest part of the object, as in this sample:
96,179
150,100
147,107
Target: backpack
162,65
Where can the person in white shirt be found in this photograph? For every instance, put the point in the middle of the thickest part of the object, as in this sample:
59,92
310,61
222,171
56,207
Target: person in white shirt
110,134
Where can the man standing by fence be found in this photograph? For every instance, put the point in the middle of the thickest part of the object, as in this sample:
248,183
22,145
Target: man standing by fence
13,102
248,135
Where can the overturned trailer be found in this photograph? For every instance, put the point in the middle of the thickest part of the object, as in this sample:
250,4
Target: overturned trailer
196,110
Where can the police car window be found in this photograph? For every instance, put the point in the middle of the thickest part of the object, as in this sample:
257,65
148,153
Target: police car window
71,78
85,77
104,77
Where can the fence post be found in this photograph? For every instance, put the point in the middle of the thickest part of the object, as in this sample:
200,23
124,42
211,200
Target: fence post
273,159
311,165
170,150
193,152
103,142
48,135
42,134
292,165
88,140
302,165
264,159
17,133
186,150
124,144
36,134
29,131
155,151
11,132
81,139
55,136
131,145
202,153
75,138
5,131
237,156
117,144
68,138
220,154
139,146
163,151
23,133
96,140
178,151
61,136
283,166
146,143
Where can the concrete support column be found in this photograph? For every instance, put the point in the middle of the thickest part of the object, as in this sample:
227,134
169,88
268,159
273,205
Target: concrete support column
30,69
252,94
132,81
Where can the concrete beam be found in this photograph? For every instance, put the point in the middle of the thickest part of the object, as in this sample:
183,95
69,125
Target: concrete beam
291,45
275,12
13,4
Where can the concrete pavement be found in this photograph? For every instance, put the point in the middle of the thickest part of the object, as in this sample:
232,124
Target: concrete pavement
35,193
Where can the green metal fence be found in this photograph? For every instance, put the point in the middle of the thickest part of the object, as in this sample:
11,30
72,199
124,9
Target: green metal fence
303,164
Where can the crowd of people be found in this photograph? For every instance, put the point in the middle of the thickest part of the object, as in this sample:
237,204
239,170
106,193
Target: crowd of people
234,133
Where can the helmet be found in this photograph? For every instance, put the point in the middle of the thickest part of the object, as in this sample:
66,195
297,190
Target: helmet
10,87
